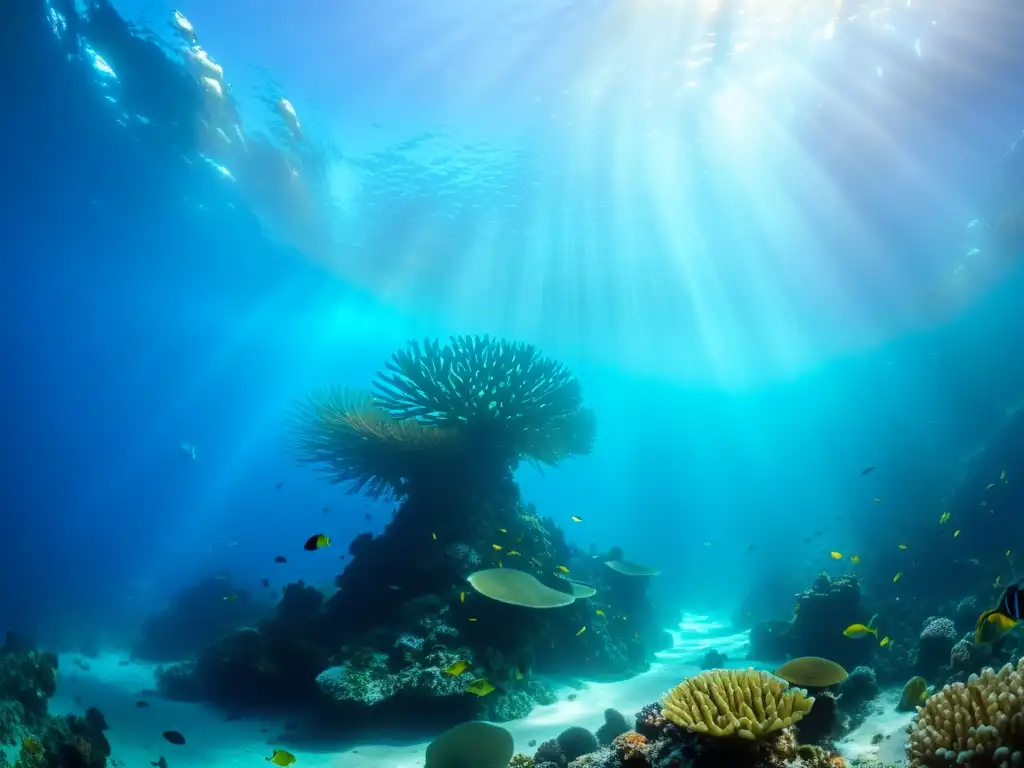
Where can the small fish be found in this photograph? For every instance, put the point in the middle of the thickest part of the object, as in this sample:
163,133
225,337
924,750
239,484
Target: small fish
582,630
561,568
836,555
867,471
140,704
280,559
876,500
706,544
857,631
990,486
897,577
599,612
497,547
433,536
394,587
230,598
1002,475
457,668
480,687
956,533
885,641
31,745
636,635
854,559
462,597
901,546
471,619
503,530
316,541
279,485
943,517
265,583
325,510
280,757
997,583
751,549
501,564
367,517
514,553
519,674
576,519
175,737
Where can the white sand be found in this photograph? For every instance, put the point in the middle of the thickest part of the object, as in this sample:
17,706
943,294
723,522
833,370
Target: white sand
884,721
213,742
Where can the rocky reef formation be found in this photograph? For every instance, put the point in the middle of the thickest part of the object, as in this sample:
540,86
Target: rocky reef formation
441,434
28,679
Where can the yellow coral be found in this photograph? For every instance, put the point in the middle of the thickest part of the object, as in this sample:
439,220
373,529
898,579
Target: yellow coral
727,702
980,723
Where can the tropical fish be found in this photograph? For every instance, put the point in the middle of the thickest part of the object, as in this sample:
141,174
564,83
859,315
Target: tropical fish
514,552
576,519
280,757
433,536
885,641
582,630
175,737
497,547
503,530
562,568
280,559
599,612
462,597
996,622
943,517
857,631
897,577
519,674
480,687
901,546
316,541
876,500
471,618
854,559
836,555
457,668
956,533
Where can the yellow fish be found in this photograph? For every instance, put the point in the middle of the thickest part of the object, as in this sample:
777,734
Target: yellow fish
854,559
562,568
582,630
457,668
280,757
860,630
316,541
836,555
480,687
503,530
885,641
901,546
519,674
472,618
434,536
497,547
501,564
897,577
599,612
513,552
1002,475
956,533
943,517
576,519
877,500
462,597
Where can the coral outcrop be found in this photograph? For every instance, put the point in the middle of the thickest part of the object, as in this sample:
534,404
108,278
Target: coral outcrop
937,638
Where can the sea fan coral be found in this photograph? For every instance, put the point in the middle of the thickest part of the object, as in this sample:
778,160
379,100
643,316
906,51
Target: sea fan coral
360,444
523,404
980,723
724,702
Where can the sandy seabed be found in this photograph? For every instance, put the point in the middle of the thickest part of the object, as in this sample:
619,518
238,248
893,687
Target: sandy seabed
212,741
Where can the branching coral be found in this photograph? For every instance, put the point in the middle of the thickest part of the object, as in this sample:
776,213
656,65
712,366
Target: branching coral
980,723
524,404
744,703
360,444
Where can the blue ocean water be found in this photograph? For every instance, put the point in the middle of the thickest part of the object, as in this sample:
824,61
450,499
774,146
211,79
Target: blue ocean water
776,243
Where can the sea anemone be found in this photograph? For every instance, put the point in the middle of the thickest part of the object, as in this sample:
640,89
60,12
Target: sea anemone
504,395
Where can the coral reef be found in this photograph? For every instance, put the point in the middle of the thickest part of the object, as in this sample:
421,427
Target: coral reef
977,723
481,745
712,659
28,677
856,693
823,611
576,741
614,725
769,640
937,638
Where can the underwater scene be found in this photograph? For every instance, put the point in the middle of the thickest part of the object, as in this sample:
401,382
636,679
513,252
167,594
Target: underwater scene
512,384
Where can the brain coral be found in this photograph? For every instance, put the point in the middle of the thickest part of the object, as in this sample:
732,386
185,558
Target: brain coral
977,724
726,702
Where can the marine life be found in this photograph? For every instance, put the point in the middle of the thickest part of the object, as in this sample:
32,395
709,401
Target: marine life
876,500
188,451
854,559
901,546
897,577
836,555
462,597
457,668
867,471
943,517
433,536
860,630
280,559
812,672
265,583
281,757
140,704
956,533
914,694
562,568
996,622
480,687
990,486
576,519
885,641
582,630
599,612
230,598
1002,475
160,762
316,541
31,745
175,737
497,547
